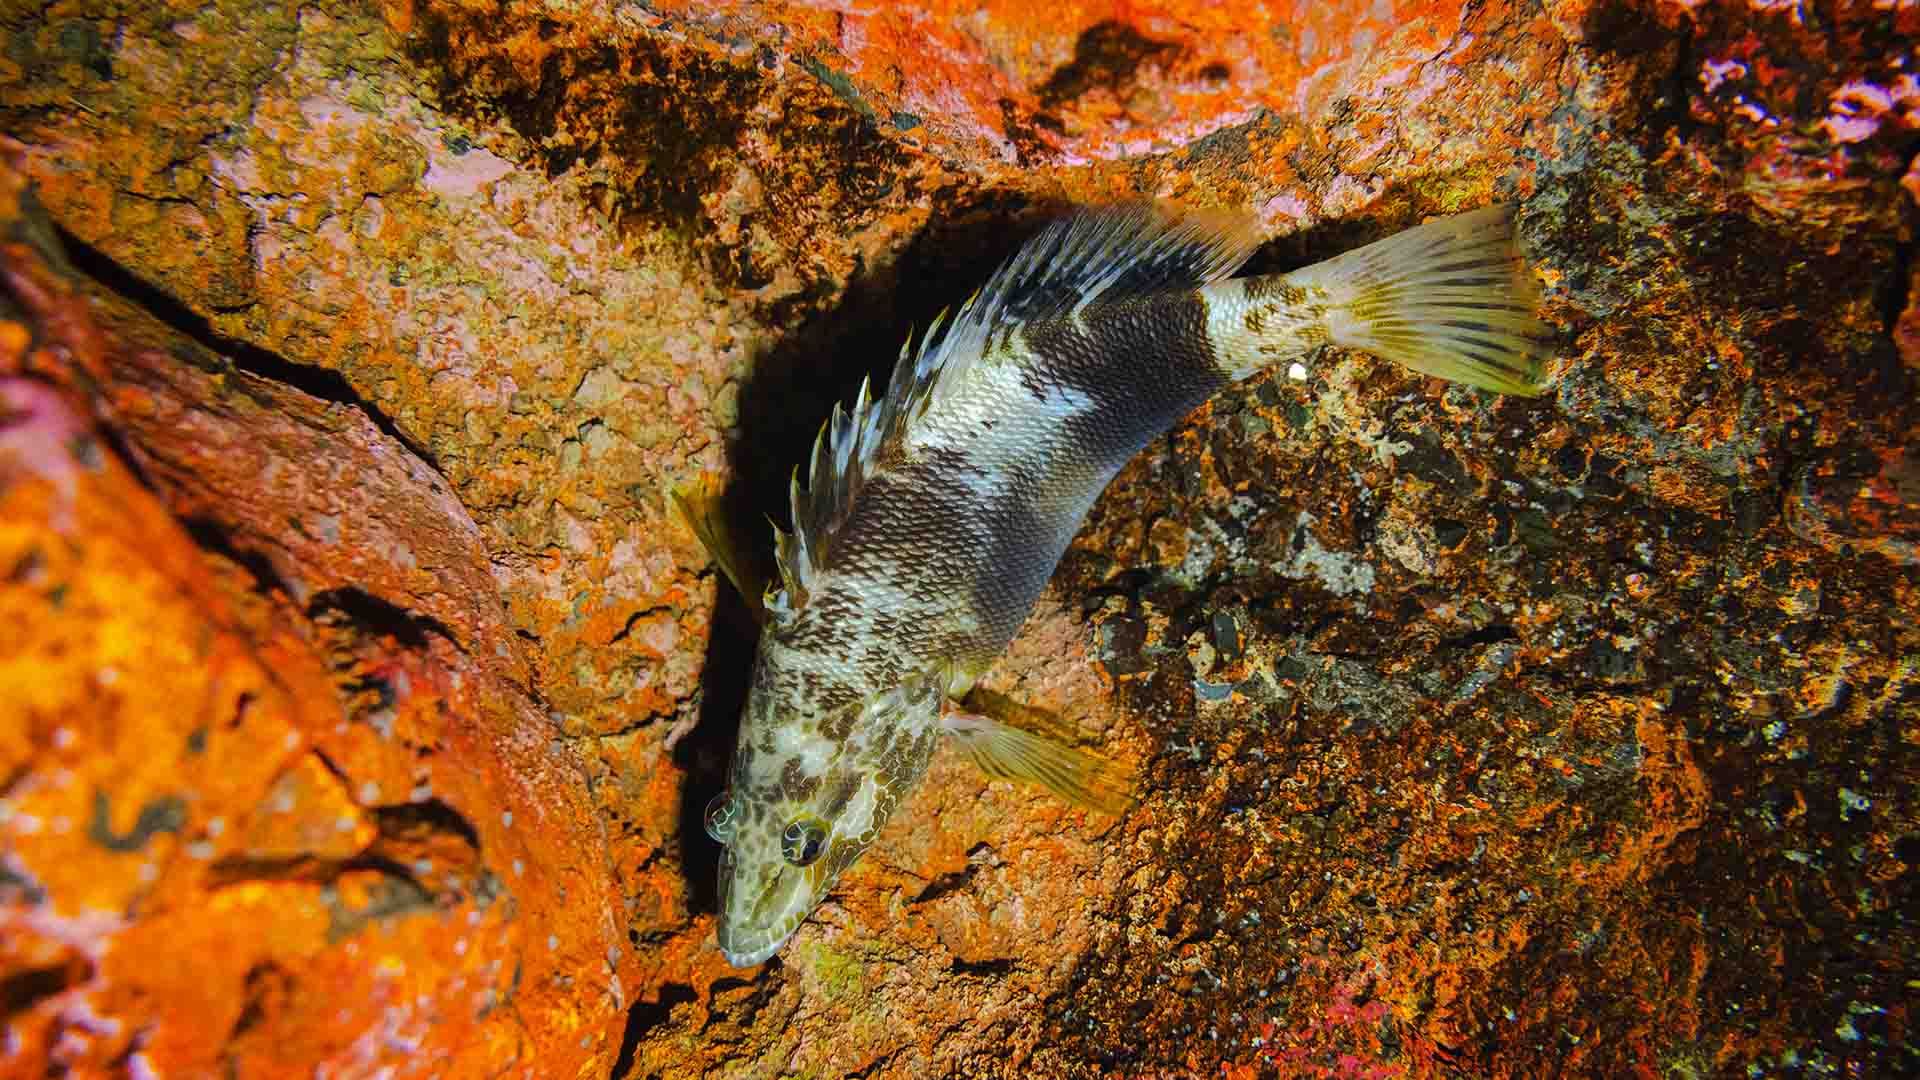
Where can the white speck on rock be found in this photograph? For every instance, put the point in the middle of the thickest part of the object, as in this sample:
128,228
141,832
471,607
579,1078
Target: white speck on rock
464,176
1342,574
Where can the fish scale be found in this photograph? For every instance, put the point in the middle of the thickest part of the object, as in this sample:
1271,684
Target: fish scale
933,516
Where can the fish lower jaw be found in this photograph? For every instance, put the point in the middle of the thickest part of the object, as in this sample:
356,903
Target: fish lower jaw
747,954
753,948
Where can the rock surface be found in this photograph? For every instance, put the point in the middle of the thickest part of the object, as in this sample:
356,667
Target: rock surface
361,692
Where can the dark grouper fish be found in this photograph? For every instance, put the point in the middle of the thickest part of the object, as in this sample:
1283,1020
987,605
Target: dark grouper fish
933,516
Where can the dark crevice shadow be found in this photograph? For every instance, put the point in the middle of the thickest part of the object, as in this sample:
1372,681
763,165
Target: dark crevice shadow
703,754
642,1017
1304,247
377,616
212,537
791,390
425,819
312,380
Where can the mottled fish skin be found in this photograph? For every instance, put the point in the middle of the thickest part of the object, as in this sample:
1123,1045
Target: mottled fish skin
955,497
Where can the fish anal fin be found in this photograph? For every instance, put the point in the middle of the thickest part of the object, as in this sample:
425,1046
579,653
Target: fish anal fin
1005,752
701,507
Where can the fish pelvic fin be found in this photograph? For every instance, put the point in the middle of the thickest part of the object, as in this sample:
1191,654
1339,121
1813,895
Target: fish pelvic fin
1451,298
1005,752
700,506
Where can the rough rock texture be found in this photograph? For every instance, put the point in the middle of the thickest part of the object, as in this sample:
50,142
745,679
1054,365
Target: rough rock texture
361,693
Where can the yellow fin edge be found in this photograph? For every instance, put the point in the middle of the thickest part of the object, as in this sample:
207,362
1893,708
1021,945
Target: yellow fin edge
698,503
1005,752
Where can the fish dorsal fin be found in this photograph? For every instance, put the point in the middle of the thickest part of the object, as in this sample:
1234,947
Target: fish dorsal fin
844,452
1092,255
1113,252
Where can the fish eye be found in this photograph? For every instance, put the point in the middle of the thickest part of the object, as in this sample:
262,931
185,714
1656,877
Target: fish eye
803,840
719,817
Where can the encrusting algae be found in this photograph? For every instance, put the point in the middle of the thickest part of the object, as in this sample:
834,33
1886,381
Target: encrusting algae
934,515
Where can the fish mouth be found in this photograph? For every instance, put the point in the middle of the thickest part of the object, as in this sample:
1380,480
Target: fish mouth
749,957
753,926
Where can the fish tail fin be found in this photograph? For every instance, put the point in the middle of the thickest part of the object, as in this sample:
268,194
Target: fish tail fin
1450,298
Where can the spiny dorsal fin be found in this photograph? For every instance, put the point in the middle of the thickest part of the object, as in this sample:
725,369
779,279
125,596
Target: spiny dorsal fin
843,453
1092,255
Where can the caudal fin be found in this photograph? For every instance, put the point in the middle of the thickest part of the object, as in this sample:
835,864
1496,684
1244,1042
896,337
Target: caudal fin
1450,298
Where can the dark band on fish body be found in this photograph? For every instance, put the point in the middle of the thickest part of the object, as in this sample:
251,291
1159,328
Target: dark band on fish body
1146,362
1030,526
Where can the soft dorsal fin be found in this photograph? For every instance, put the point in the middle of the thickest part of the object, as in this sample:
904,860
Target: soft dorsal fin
1090,256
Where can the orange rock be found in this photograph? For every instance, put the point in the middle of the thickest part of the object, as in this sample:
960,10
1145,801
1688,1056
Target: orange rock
198,870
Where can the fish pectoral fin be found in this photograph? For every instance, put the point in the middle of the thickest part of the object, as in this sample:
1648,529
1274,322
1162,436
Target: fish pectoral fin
1014,712
699,504
1005,752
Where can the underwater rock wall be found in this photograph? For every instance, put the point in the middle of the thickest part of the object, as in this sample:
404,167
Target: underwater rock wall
361,691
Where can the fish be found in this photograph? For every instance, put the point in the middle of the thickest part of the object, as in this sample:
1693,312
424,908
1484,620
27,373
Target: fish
934,514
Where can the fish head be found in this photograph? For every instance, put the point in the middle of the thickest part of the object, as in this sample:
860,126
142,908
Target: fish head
808,791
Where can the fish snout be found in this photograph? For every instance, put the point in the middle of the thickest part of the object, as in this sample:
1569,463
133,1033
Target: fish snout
762,902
